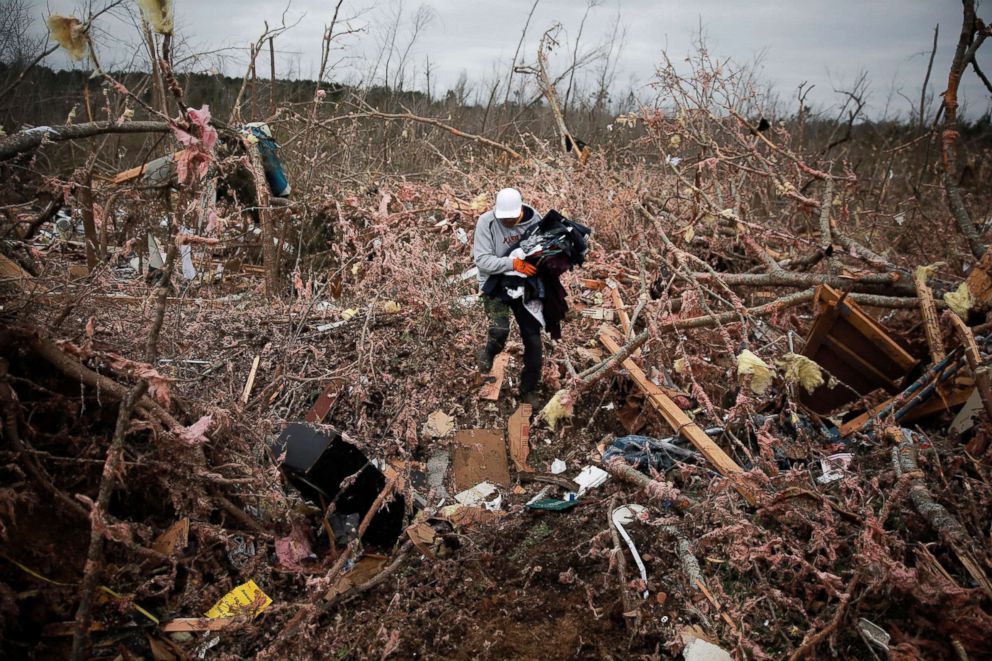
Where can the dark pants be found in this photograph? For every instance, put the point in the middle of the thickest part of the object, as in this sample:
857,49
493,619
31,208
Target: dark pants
530,331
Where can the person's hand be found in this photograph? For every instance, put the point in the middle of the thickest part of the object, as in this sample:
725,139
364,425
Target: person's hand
520,266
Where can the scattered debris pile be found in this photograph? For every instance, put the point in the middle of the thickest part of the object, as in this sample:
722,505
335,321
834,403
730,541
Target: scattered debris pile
245,424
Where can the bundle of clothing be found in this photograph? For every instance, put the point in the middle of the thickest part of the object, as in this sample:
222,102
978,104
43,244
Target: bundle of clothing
555,245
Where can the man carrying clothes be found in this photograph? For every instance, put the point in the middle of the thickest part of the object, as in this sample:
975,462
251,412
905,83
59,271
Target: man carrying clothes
497,232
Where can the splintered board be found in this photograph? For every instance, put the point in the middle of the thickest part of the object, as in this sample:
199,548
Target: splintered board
479,455
679,421
325,401
490,391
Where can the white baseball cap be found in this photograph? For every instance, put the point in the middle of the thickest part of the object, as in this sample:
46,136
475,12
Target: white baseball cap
508,203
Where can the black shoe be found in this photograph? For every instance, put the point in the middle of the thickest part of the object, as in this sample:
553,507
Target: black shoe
485,361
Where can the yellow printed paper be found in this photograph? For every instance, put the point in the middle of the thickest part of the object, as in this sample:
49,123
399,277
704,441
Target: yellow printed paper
245,599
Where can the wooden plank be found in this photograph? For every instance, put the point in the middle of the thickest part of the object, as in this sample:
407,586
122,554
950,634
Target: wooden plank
196,624
928,309
621,311
864,365
494,380
682,423
824,321
518,432
250,383
589,283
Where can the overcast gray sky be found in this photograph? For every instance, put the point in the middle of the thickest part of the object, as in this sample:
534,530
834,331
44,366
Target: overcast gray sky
824,42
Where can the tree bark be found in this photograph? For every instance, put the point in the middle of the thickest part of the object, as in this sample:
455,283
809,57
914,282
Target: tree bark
33,138
955,202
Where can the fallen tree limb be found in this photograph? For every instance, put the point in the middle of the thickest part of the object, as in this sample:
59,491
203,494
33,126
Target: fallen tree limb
809,644
94,557
76,370
936,515
890,283
622,471
410,117
34,137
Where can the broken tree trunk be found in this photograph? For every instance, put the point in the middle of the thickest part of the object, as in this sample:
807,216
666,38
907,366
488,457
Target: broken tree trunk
969,41
928,309
85,188
270,252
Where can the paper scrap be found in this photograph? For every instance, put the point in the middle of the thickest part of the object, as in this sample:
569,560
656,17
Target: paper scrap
477,495
439,424
247,598
590,478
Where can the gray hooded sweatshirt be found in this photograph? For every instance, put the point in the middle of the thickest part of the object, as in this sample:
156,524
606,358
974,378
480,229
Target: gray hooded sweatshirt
494,241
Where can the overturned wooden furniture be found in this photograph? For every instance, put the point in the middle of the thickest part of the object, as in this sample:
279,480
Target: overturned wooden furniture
679,421
854,349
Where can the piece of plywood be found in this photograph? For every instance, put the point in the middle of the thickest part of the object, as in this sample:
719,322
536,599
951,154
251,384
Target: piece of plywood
518,432
494,380
479,455
680,421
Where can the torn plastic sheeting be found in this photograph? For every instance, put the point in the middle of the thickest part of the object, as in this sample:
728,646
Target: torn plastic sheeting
437,468
558,467
626,515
